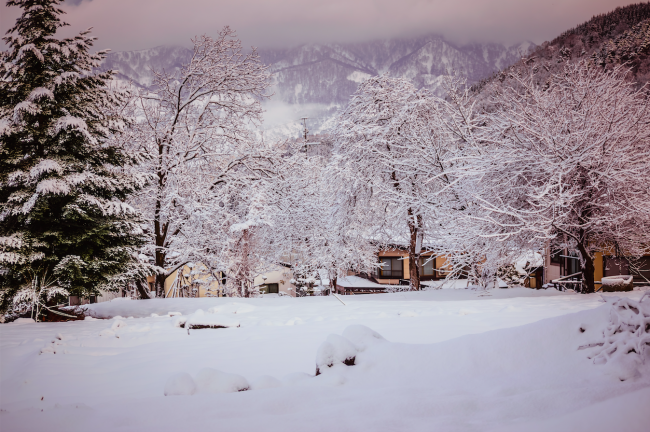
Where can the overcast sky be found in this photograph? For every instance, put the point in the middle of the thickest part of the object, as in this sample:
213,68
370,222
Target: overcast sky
138,24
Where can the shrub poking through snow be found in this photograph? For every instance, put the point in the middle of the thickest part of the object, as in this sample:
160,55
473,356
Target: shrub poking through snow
201,320
344,349
336,349
626,338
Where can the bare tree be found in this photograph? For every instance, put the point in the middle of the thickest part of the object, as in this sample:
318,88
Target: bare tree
373,142
195,130
568,160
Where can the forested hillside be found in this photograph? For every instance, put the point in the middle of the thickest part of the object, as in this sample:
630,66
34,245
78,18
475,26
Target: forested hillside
620,37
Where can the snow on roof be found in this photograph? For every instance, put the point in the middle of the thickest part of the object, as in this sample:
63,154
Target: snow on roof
359,282
532,259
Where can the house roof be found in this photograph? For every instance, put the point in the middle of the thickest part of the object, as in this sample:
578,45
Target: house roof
359,282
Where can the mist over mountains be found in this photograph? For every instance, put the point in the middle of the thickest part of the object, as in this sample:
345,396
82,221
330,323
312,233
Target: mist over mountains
315,80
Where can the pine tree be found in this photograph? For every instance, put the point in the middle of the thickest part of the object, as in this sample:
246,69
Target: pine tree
64,224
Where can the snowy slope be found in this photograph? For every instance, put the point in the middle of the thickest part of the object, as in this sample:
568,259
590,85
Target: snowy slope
452,360
136,66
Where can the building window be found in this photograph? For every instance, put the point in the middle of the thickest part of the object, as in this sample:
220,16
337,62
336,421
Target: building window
573,263
391,267
271,288
640,269
615,266
555,257
427,266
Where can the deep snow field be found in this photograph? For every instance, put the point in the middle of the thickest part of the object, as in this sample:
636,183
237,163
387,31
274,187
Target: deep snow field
440,360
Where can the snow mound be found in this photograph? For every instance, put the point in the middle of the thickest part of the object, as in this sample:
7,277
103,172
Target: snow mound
335,350
618,283
232,308
22,321
118,324
362,337
615,280
342,350
214,381
180,384
408,313
296,379
265,382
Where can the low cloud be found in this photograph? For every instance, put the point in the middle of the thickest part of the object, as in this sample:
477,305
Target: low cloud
75,2
128,24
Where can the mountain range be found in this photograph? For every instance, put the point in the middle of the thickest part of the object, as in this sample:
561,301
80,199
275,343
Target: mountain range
315,80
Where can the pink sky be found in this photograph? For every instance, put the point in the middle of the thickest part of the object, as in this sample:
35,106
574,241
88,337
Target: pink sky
139,24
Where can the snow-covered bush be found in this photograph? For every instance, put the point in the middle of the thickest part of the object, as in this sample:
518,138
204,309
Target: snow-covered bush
335,350
362,337
626,340
344,349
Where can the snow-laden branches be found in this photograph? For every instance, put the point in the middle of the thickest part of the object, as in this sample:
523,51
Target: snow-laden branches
380,139
626,339
311,228
63,181
195,133
569,161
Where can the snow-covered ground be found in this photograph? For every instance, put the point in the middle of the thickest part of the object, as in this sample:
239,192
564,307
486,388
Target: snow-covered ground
449,360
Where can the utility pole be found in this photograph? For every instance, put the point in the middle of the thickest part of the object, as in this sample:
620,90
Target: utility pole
304,122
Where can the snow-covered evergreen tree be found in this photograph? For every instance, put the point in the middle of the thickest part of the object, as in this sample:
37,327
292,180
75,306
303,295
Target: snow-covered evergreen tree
64,224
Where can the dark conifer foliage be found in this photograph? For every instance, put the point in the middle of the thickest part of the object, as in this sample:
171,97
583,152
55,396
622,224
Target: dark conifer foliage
64,223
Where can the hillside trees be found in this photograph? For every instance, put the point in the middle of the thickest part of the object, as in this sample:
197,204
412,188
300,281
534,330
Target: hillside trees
64,224
196,129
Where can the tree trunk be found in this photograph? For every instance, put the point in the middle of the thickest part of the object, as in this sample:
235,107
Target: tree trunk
144,293
160,285
332,285
414,252
587,269
160,259
240,267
